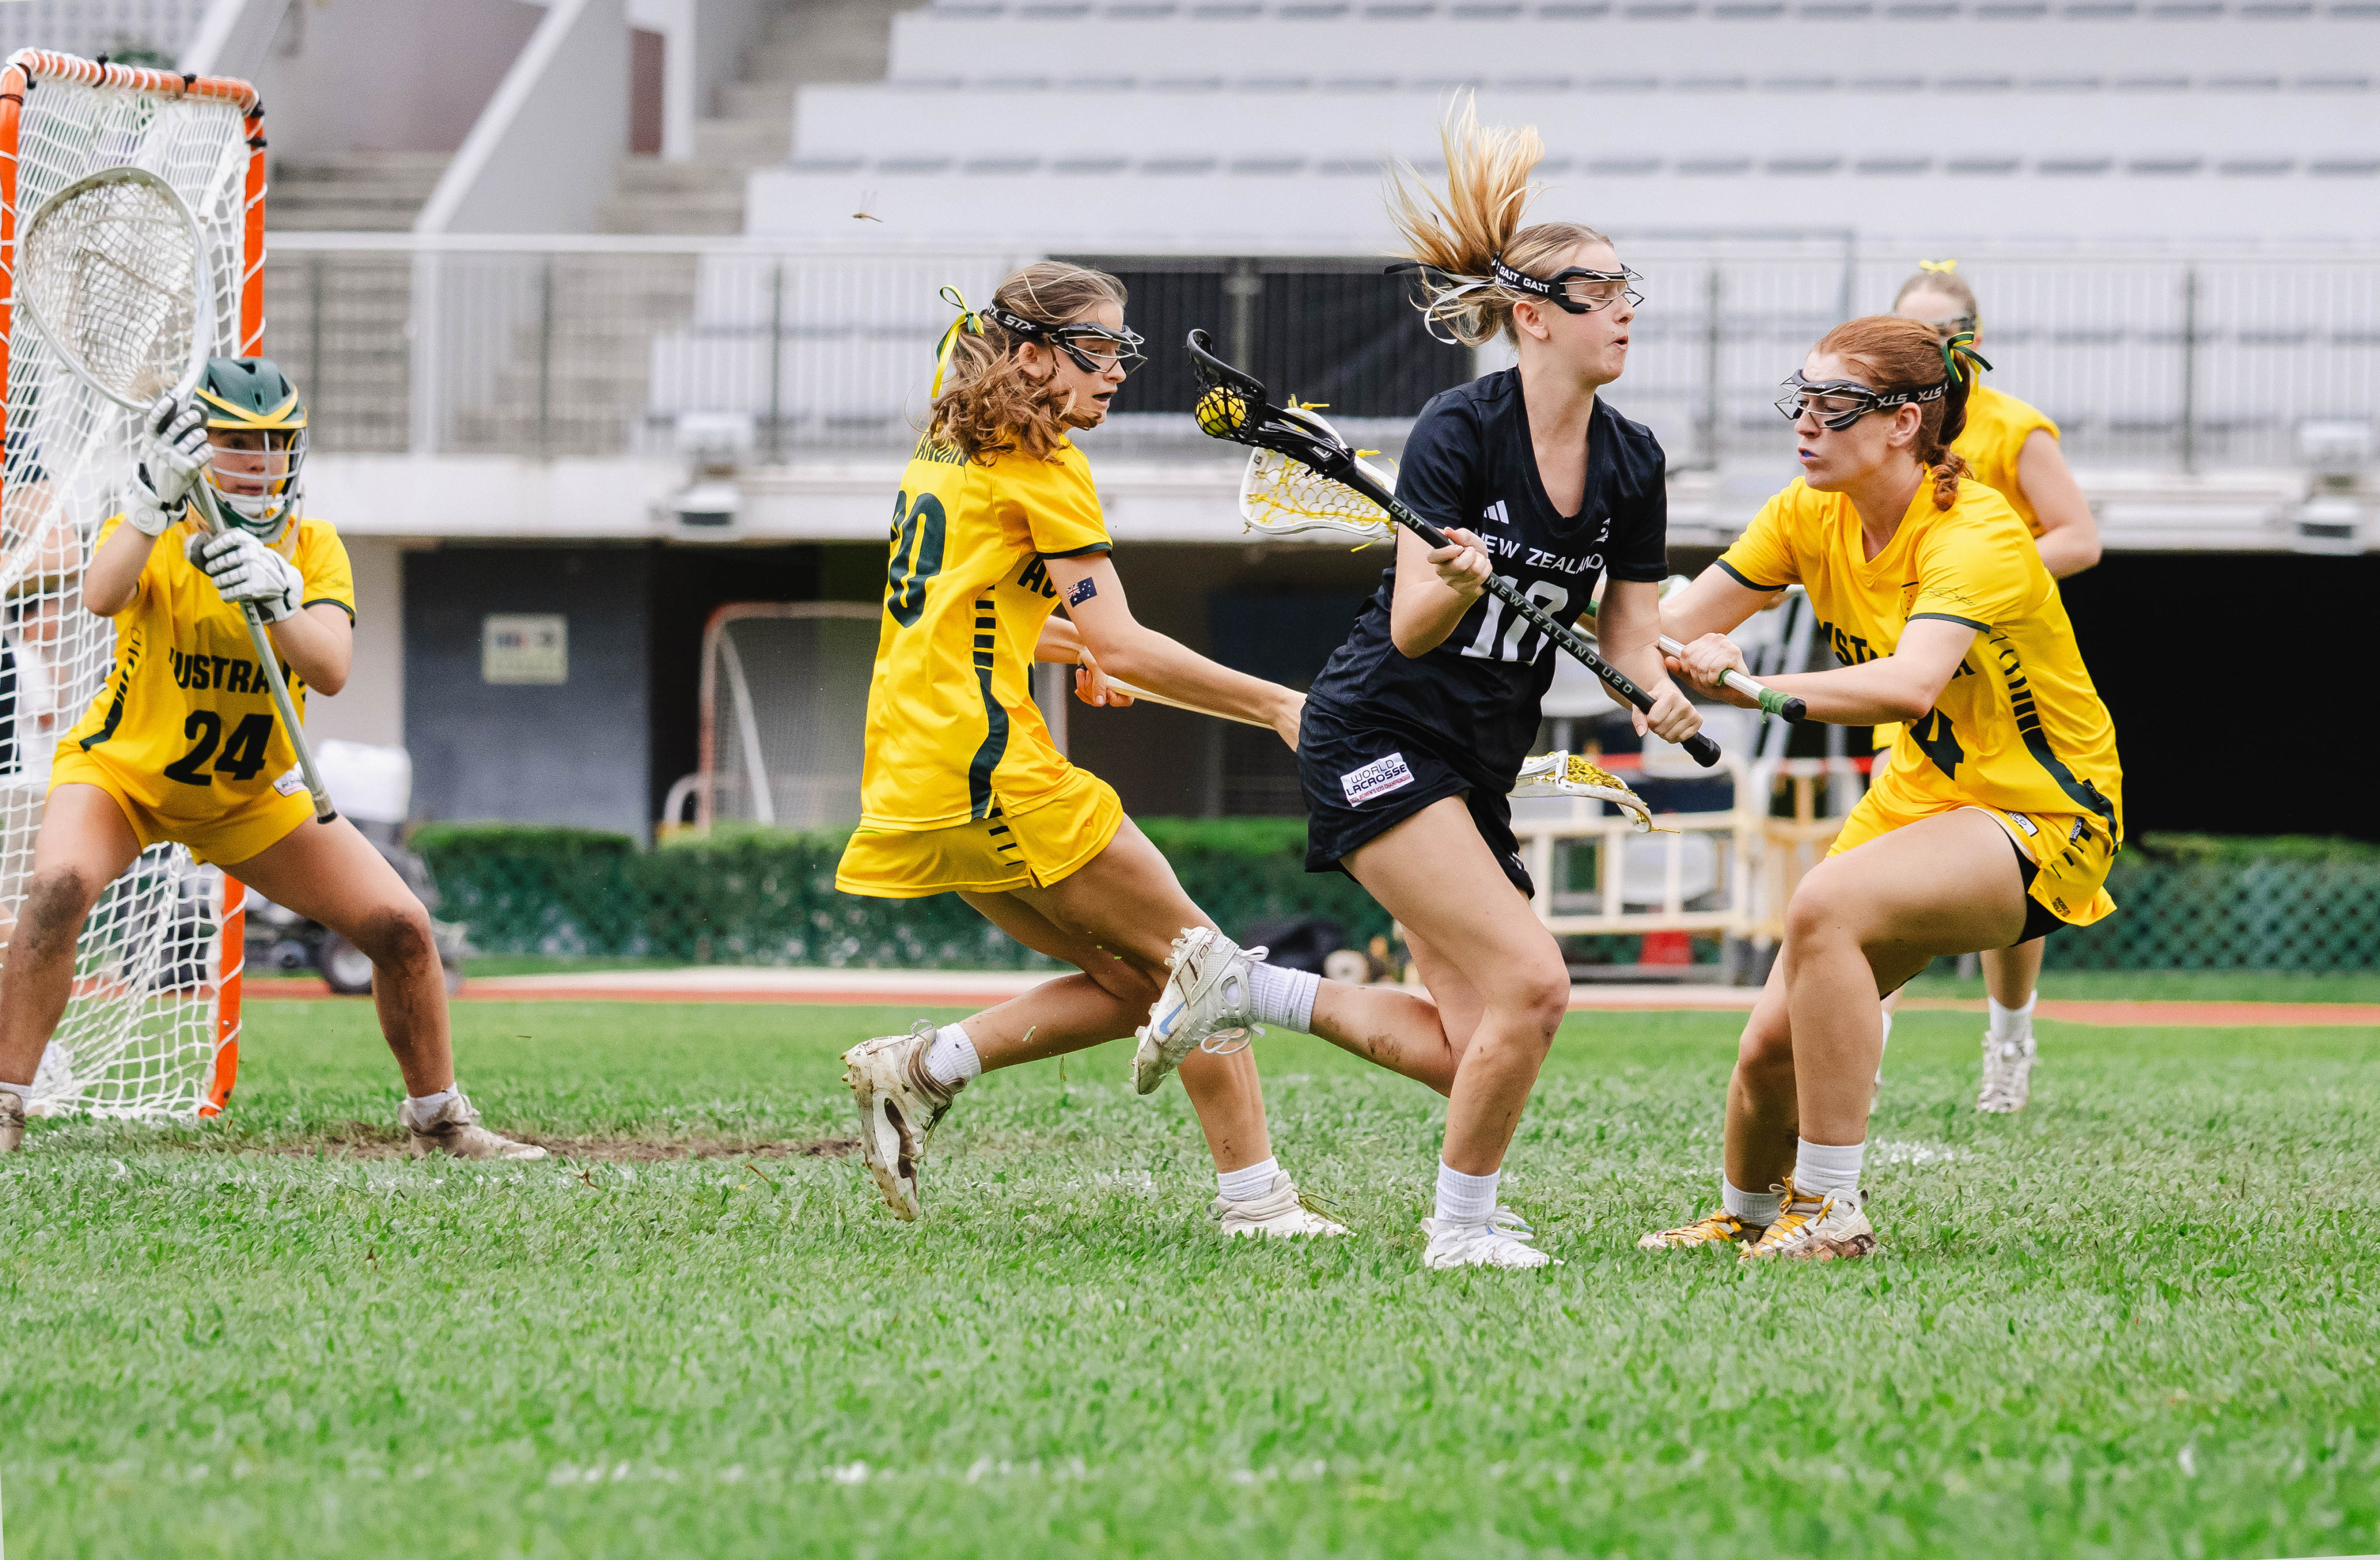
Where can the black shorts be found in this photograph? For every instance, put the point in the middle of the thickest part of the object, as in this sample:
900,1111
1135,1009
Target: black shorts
2039,920
1360,781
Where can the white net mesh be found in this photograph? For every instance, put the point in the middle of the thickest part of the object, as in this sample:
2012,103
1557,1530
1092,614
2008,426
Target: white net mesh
784,712
109,279
141,1032
1281,497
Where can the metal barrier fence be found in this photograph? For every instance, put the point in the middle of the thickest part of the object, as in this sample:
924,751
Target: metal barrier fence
596,346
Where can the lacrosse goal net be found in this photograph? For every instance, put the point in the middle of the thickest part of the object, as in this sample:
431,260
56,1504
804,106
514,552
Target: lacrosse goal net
784,713
152,1027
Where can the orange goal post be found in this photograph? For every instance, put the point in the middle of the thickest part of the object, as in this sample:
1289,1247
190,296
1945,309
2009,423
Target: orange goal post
153,1028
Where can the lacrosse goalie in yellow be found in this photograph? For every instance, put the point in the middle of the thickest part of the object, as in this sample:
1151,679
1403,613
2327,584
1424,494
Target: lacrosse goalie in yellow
183,744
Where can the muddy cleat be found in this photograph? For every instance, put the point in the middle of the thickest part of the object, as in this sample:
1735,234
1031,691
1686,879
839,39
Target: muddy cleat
455,1128
1494,1244
1721,1228
12,1121
1207,1003
1821,1231
898,1105
2008,1075
1279,1210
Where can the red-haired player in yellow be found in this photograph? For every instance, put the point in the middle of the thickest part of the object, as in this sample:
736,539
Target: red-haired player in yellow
2011,448
183,742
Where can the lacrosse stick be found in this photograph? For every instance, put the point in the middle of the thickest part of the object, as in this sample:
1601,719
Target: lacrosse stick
1784,705
1128,691
1231,405
1571,774
1280,497
113,272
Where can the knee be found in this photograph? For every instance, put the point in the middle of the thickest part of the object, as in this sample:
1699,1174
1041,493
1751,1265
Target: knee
55,903
1536,997
397,936
1766,1050
1820,908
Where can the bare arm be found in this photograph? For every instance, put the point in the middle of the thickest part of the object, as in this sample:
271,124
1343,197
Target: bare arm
1061,642
319,643
113,576
1627,624
1103,619
1434,587
1715,603
1901,686
2070,532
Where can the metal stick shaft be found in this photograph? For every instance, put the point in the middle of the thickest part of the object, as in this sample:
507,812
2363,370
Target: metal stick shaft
286,706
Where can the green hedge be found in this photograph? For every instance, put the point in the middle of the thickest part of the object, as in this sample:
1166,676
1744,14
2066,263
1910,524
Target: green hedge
760,896
746,895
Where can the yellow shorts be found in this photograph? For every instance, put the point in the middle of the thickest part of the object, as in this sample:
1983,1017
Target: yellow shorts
991,855
2070,852
244,829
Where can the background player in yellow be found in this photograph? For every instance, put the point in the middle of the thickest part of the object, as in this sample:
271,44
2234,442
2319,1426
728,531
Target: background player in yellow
963,791
2012,449
183,744
1999,814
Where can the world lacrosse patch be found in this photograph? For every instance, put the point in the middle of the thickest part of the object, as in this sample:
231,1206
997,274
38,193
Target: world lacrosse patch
1376,778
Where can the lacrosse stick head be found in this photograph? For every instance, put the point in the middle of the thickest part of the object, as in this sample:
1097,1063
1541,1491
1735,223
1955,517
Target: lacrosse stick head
1231,405
1281,497
111,273
1572,774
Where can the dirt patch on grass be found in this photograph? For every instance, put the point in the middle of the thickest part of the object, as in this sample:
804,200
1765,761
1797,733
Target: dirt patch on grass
367,1140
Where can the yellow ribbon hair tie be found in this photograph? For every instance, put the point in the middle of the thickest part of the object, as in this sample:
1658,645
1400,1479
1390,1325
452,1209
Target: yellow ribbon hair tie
949,343
1944,266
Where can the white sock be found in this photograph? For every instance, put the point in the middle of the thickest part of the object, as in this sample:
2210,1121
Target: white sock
2011,1023
24,1092
1822,1170
1465,1199
1283,997
950,1060
1888,1031
1752,1207
427,1105
1238,1185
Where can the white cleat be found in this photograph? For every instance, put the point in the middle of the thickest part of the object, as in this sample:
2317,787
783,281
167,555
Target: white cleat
12,1121
1825,1230
1497,1243
898,1105
2008,1075
1278,1211
454,1128
1207,1003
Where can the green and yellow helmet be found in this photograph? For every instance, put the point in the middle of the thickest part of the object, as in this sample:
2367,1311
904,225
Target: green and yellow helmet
255,478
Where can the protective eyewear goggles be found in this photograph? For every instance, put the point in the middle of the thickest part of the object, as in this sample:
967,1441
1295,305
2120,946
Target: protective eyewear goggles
1952,325
1575,289
1837,404
1094,348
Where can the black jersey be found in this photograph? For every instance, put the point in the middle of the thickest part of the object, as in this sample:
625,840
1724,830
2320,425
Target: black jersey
1473,700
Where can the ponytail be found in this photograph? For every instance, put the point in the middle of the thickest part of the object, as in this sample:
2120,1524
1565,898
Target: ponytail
1456,241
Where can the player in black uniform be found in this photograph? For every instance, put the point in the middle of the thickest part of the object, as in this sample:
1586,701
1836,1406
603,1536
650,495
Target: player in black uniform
1414,733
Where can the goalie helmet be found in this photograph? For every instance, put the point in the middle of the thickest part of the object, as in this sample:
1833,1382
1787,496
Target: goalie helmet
253,473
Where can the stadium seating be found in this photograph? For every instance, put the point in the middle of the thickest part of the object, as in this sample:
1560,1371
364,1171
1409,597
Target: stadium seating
1265,126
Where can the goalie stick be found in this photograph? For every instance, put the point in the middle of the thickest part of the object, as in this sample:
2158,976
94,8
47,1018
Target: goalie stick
1231,405
112,270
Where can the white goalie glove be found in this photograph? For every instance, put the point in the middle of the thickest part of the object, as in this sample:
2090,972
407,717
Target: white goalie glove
1567,774
244,569
171,451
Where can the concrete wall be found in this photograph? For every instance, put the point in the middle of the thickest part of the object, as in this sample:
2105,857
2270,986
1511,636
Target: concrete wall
340,76
371,708
546,152
576,753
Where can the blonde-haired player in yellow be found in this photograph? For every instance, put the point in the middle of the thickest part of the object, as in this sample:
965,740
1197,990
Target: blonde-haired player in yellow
962,789
2011,448
183,742
2000,812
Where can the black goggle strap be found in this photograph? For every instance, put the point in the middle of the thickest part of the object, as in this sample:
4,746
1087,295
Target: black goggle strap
1870,399
1556,287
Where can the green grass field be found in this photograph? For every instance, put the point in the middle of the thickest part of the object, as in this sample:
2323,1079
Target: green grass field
2138,1320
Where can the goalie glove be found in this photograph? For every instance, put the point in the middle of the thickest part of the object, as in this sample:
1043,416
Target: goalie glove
172,450
244,569
1567,774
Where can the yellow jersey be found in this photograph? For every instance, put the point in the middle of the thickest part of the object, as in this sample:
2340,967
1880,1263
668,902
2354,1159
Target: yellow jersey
185,723
952,730
1996,428
2020,726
